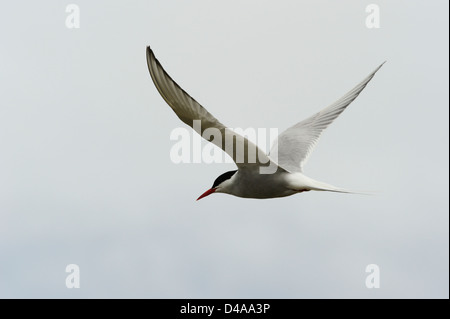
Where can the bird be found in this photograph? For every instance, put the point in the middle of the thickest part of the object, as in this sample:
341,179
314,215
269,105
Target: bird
258,175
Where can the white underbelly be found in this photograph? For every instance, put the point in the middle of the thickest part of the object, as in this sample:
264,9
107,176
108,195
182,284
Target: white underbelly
263,186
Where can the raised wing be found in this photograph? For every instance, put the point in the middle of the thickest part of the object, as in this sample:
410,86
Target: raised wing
243,152
293,147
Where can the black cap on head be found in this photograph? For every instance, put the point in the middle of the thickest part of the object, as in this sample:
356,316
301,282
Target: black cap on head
223,177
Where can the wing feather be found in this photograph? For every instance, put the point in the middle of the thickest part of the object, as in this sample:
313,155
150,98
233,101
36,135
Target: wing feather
189,110
293,146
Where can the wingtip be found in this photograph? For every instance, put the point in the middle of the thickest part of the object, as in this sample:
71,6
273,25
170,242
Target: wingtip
150,54
379,67
150,51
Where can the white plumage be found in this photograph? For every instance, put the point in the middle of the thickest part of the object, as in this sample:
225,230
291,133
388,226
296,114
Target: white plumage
288,154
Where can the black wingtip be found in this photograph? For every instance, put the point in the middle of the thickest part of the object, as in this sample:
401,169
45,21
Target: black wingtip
150,54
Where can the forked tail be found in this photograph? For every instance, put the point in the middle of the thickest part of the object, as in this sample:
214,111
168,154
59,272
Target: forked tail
307,183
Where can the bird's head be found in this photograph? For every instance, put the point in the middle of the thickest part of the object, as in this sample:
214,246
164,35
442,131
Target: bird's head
222,184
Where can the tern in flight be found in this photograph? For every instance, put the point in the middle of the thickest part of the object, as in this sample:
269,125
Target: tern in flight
255,176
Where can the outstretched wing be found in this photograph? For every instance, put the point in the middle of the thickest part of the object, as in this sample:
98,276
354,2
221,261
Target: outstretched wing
243,152
294,145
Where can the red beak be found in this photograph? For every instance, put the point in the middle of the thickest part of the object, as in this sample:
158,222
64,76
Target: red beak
208,192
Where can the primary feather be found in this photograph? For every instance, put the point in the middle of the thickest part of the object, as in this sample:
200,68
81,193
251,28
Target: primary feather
293,146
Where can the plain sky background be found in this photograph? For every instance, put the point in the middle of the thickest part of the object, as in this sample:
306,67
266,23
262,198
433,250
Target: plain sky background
86,176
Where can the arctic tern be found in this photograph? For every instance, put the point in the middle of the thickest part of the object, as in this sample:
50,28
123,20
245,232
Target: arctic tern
291,149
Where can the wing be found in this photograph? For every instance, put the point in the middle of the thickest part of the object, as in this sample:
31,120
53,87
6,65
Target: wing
243,152
293,147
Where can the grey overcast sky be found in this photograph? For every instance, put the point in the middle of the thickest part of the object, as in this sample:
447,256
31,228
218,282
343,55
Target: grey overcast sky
86,177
